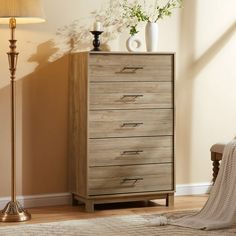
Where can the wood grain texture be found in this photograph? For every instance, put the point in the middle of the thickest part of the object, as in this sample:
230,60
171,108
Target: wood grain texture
91,201
78,124
130,95
170,200
109,67
130,179
127,151
122,123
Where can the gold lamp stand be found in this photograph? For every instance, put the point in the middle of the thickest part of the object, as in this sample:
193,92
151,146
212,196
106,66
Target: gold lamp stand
13,211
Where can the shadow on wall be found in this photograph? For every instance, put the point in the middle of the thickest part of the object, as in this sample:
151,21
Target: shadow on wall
43,53
76,36
44,128
212,51
190,67
45,108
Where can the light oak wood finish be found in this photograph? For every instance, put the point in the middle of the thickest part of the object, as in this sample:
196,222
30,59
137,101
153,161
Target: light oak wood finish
130,179
119,102
91,201
131,67
62,213
130,151
120,123
130,95
78,136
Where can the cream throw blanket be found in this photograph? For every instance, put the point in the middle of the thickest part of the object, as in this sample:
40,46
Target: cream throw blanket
220,208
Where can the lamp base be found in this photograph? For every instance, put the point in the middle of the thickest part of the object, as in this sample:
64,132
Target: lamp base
14,212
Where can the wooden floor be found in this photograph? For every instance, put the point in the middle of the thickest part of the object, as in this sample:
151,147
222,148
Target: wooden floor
60,213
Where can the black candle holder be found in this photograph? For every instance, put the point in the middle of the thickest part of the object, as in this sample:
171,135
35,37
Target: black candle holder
96,41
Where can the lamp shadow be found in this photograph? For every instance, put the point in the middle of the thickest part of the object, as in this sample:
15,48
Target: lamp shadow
44,124
43,53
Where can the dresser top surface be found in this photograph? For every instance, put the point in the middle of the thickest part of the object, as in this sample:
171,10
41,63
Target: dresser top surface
123,53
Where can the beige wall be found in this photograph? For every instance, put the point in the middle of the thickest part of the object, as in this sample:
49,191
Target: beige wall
203,36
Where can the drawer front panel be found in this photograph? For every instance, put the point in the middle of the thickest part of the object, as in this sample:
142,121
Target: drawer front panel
128,151
123,123
130,179
130,67
130,95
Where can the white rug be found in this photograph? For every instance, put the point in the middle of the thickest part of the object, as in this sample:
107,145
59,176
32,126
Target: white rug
135,225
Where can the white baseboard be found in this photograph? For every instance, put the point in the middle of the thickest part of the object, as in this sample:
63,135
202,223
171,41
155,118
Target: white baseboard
65,198
193,189
40,200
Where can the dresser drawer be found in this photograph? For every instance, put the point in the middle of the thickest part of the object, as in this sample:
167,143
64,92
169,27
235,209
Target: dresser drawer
130,179
125,95
129,67
128,123
128,151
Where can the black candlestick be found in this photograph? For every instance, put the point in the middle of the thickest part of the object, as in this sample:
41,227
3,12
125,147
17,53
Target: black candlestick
96,41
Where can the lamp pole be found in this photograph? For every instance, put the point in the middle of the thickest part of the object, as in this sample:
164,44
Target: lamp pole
13,211
12,59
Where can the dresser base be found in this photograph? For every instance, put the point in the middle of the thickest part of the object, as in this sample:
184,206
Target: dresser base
90,202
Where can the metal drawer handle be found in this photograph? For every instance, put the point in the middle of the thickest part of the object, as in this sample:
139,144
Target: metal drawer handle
134,180
131,124
130,98
130,69
132,152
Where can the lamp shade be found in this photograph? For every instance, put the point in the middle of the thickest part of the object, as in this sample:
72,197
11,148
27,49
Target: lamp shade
24,11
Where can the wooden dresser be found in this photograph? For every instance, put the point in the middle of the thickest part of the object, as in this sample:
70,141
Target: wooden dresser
121,136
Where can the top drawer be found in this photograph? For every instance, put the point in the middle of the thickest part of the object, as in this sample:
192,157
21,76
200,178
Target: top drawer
133,67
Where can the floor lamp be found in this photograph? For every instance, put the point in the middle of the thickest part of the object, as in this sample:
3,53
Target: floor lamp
14,12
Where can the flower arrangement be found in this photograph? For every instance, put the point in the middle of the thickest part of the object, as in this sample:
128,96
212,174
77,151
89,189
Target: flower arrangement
134,13
115,16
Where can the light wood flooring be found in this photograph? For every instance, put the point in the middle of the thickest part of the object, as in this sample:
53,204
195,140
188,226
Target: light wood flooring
60,213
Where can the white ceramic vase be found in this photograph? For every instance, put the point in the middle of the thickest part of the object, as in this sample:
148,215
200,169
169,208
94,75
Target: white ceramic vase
133,43
151,36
